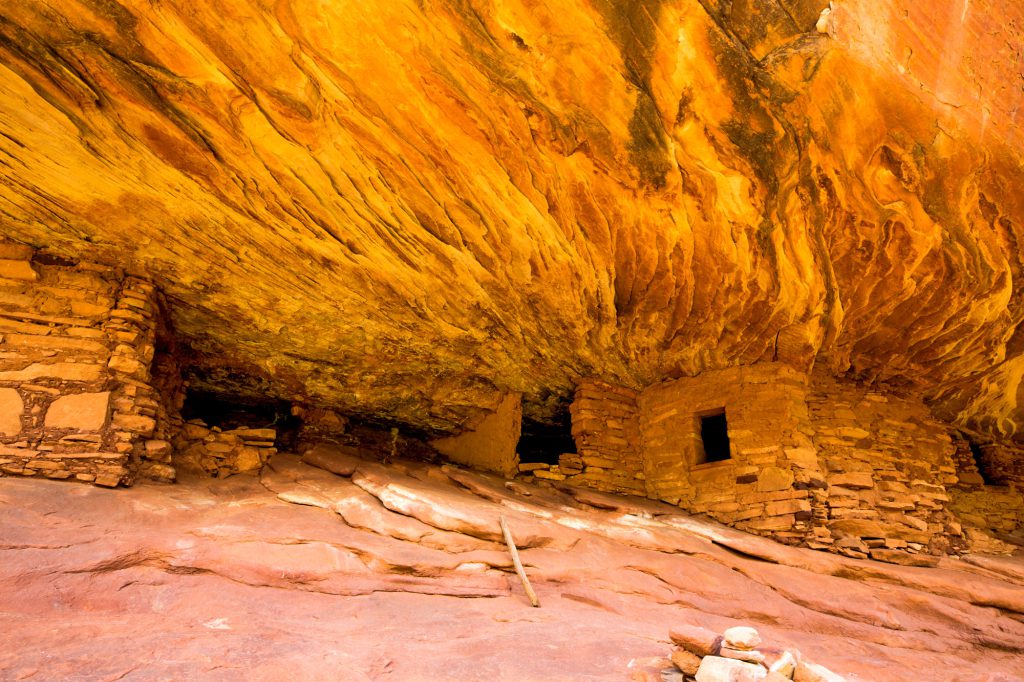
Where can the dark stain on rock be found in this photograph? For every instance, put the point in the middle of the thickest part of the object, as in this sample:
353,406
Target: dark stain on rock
568,134
40,65
126,23
633,24
178,153
519,42
751,130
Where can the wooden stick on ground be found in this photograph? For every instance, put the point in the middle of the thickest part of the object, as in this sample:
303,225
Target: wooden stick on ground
517,563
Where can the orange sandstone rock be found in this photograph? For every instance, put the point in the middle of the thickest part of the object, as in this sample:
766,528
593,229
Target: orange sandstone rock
410,212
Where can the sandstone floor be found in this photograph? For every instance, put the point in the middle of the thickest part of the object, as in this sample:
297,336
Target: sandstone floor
397,573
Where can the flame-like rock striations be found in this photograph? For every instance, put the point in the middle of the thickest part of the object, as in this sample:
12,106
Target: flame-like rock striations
405,208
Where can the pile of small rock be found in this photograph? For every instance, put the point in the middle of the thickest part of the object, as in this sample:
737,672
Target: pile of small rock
547,472
223,453
737,656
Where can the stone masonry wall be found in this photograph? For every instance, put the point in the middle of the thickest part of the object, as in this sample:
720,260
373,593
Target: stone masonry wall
988,512
1002,463
605,426
888,465
76,343
992,505
319,425
827,463
771,485
489,444
966,465
169,393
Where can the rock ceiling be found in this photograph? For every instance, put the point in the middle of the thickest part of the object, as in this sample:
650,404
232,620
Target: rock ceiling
402,207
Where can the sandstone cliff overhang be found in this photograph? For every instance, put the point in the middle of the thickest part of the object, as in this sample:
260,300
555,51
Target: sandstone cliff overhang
405,210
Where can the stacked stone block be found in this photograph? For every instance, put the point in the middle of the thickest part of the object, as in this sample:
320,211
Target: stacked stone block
816,461
989,510
771,485
218,453
570,464
993,507
131,328
169,393
319,425
966,465
1002,462
888,465
74,353
605,426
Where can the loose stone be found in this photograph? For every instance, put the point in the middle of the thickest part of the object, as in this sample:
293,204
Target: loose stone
717,669
748,655
696,640
741,637
688,662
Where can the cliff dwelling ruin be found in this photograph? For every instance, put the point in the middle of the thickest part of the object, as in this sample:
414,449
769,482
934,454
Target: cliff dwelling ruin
93,391
755,265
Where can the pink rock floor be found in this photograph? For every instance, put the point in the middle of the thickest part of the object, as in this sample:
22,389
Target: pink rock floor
397,573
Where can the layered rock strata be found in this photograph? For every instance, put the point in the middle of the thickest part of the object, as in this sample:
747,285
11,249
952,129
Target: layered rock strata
410,210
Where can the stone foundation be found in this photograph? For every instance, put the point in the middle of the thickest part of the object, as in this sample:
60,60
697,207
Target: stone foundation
76,346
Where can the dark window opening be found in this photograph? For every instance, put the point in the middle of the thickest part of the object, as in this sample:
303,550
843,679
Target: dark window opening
976,454
229,413
714,437
981,462
544,441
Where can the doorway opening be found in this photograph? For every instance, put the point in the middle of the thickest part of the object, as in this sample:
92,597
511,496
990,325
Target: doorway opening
543,442
227,413
714,438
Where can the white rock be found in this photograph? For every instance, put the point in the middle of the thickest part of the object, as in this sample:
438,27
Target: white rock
748,655
824,24
785,665
718,669
741,637
810,672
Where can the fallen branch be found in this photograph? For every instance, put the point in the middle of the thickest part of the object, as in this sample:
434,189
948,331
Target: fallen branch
517,563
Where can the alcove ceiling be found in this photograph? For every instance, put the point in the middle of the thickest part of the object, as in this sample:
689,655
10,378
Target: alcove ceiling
405,208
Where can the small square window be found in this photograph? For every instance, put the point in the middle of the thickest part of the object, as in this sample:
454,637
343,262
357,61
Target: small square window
714,438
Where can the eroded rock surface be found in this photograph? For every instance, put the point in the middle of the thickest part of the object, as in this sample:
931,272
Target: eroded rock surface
405,209
398,571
